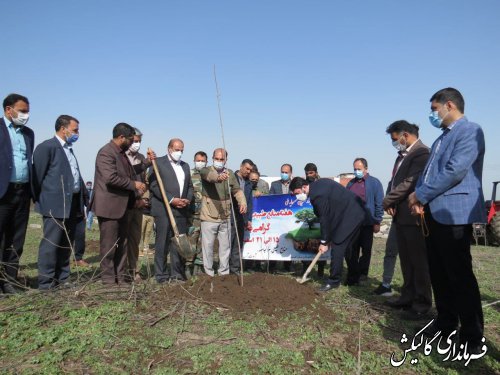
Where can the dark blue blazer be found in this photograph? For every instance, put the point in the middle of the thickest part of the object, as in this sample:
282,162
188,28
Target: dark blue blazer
249,198
453,187
374,197
6,156
53,181
340,211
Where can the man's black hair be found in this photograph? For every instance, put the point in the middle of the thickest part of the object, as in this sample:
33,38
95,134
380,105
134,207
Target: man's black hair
202,154
247,161
287,165
362,160
297,183
63,121
449,94
401,126
124,129
12,99
310,167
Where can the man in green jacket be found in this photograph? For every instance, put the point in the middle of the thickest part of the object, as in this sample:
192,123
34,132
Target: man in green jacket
219,183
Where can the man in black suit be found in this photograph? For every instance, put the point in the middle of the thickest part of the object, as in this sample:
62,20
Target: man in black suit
341,214
176,177
16,150
416,292
59,193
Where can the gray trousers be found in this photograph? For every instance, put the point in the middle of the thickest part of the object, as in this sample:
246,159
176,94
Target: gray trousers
209,231
391,255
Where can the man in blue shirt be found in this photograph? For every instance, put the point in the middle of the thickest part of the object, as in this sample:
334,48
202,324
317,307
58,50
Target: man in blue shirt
16,150
371,192
59,193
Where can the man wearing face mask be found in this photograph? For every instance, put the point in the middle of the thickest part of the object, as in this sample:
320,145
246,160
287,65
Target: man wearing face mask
416,292
135,214
16,149
176,178
219,186
194,230
258,191
59,193
449,194
311,171
116,192
340,212
282,186
371,192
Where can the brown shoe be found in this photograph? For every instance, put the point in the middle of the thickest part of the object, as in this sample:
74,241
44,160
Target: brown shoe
81,263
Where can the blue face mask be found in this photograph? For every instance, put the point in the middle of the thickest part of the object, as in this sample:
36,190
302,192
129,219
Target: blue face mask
358,174
285,176
435,120
72,139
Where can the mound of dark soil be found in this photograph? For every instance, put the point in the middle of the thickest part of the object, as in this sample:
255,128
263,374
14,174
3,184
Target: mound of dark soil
268,293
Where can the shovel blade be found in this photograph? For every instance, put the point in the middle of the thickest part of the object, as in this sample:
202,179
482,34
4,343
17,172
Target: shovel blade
302,280
183,246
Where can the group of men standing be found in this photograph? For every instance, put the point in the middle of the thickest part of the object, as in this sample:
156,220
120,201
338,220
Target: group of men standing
434,196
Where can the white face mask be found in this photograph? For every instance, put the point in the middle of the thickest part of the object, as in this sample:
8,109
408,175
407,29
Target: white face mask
218,164
301,197
199,165
135,147
21,119
176,155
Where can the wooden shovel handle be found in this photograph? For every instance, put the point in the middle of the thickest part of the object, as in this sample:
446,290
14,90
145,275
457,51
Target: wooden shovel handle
311,266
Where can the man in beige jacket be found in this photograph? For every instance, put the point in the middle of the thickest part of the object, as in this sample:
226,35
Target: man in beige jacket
219,183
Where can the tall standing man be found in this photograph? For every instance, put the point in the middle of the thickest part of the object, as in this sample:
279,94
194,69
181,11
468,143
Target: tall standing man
115,193
176,176
371,192
219,186
135,214
16,150
194,230
341,214
281,186
243,221
59,193
416,291
450,195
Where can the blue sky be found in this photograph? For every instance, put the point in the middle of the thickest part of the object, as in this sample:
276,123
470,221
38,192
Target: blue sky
300,81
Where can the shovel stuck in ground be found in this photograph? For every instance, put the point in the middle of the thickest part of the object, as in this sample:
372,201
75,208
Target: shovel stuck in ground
304,278
180,241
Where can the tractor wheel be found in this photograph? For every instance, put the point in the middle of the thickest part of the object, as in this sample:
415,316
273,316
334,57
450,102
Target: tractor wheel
494,229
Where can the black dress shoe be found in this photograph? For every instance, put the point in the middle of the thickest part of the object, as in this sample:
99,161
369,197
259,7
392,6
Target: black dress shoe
398,304
433,329
413,315
9,289
328,286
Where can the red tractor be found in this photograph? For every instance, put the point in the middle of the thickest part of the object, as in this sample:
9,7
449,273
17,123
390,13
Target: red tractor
493,226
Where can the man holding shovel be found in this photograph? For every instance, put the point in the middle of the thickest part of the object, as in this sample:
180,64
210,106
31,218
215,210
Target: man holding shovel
179,191
341,214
